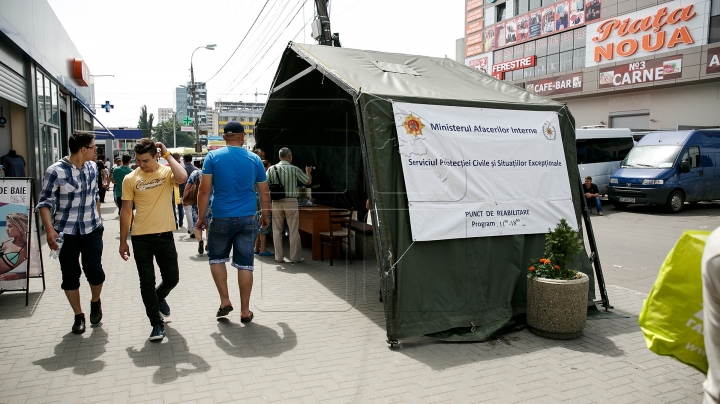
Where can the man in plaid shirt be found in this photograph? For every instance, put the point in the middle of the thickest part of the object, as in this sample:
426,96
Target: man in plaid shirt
70,188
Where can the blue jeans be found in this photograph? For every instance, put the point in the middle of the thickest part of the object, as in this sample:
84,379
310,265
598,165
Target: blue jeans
237,233
597,203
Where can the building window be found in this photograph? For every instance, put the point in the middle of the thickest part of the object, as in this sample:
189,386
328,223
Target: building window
522,6
553,63
714,28
500,12
579,58
541,66
566,61
639,119
535,4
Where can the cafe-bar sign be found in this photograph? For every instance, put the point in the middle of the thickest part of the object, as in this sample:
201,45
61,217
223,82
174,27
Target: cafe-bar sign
670,26
569,83
498,70
647,71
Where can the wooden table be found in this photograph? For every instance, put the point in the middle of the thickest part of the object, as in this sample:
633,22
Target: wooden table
313,221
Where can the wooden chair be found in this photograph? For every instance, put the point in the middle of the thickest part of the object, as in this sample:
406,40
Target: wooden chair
339,236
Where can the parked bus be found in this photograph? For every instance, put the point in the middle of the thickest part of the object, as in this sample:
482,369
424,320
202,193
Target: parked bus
599,153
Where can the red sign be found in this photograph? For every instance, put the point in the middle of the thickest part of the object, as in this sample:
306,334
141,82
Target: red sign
471,4
474,15
517,64
81,72
647,71
569,83
713,61
480,63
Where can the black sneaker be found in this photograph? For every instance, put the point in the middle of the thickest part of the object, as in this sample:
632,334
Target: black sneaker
201,247
95,312
158,333
79,325
164,308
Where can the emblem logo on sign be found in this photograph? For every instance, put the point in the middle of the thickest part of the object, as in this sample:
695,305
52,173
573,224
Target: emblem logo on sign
549,131
413,125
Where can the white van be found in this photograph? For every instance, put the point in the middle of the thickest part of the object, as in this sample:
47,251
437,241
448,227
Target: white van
600,151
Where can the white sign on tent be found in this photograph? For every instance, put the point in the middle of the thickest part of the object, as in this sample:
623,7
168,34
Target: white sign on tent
478,172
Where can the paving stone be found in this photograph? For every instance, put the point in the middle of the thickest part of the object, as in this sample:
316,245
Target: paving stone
318,336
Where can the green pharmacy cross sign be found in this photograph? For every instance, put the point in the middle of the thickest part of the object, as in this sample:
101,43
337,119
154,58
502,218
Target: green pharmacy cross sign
187,121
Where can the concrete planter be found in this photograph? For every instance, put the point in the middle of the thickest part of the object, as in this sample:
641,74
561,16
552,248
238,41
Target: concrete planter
556,308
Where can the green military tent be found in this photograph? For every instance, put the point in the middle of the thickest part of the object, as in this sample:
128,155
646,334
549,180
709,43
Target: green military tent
333,108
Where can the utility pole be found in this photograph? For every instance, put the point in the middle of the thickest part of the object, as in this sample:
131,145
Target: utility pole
256,94
324,22
198,146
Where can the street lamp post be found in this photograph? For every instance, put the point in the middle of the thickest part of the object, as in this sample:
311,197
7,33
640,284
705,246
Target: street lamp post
198,146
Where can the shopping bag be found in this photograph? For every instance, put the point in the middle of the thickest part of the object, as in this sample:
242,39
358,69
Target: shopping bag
672,317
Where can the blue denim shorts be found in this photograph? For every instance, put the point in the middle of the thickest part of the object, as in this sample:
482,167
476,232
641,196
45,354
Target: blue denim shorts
237,233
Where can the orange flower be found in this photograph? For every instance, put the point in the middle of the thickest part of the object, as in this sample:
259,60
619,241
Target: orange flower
557,267
531,268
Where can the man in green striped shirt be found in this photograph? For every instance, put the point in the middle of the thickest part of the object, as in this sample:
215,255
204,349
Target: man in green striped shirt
287,208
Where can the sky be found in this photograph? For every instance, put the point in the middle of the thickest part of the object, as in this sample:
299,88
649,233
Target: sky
147,45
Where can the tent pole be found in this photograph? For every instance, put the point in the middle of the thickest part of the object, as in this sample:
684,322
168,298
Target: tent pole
594,257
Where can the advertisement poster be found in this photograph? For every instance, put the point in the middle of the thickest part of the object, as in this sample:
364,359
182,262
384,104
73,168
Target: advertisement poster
479,172
510,32
647,71
577,12
499,35
562,16
19,259
713,61
523,28
592,10
481,62
535,24
489,39
569,83
548,20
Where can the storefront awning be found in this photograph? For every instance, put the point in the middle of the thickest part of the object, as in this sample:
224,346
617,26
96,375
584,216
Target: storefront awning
107,134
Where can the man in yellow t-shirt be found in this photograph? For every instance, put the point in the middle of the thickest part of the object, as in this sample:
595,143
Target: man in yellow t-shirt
150,188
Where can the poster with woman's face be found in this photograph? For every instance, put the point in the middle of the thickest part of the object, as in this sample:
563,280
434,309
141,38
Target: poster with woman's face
535,24
523,28
489,43
548,20
14,233
510,32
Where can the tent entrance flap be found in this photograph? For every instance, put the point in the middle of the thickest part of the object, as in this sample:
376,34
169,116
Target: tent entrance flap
437,286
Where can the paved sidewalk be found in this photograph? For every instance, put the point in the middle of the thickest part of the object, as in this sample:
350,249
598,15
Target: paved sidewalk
318,335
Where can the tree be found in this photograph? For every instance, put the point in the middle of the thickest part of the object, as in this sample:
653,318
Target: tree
145,123
164,133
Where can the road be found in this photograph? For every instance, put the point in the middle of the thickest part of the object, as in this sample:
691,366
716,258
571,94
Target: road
633,243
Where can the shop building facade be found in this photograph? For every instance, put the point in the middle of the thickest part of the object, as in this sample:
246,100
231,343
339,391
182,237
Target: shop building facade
46,90
638,64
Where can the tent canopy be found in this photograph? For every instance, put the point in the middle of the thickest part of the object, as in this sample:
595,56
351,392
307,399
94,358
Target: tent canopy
332,108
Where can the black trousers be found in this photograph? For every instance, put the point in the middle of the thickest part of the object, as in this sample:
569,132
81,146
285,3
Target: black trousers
160,246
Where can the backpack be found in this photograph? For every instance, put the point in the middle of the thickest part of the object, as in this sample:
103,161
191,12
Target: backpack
277,191
190,195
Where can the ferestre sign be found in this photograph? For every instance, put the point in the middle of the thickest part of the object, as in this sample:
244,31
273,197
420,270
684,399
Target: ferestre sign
674,25
479,172
498,70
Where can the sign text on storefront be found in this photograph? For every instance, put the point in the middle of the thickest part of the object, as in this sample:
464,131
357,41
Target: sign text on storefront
656,38
641,72
498,70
